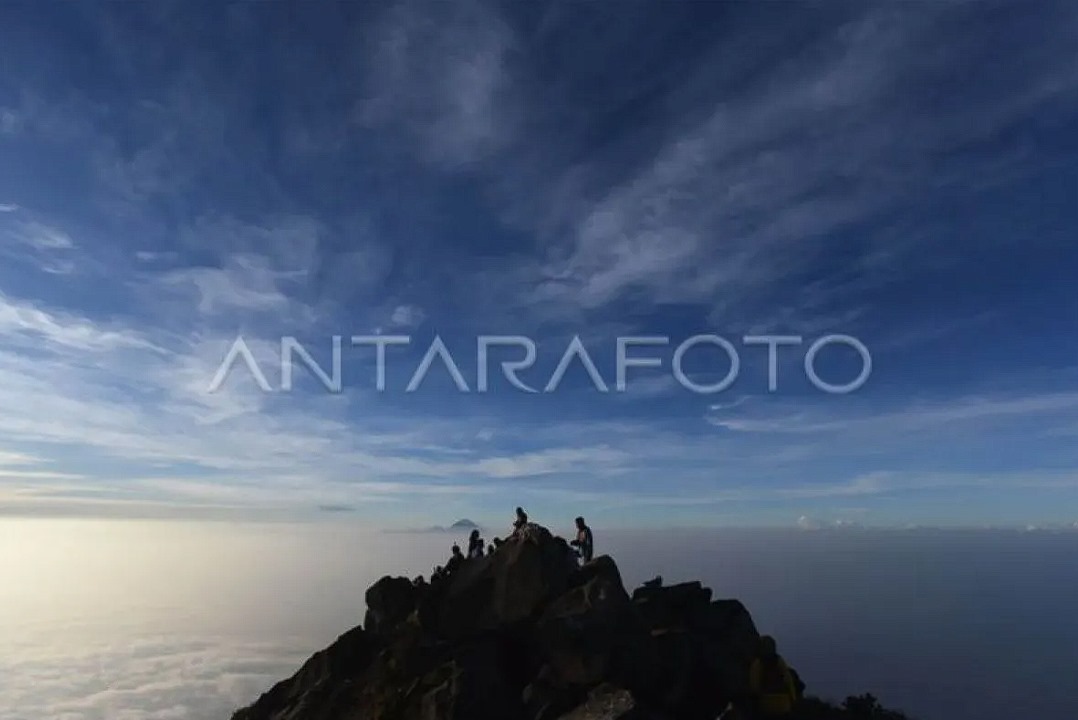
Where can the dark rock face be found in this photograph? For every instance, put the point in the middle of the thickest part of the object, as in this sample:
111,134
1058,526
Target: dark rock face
325,687
584,634
389,603
525,635
501,590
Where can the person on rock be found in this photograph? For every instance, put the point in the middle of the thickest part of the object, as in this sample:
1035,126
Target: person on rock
475,545
771,682
456,558
520,522
584,542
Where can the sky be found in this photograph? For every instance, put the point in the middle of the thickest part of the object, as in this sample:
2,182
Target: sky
175,177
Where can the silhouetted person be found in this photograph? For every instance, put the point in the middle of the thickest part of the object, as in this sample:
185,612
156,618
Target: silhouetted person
771,682
584,542
455,560
521,521
490,549
475,545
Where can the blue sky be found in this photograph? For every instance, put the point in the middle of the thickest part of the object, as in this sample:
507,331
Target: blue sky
173,176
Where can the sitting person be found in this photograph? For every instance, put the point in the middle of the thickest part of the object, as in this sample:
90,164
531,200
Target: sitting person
455,560
520,521
584,542
771,682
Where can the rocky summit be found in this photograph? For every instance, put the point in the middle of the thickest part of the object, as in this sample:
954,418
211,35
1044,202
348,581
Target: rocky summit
525,634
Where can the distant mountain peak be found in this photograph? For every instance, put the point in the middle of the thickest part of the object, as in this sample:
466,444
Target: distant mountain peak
464,524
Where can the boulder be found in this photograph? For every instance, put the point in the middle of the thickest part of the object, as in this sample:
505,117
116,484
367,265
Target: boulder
389,603
584,633
698,661
671,606
504,589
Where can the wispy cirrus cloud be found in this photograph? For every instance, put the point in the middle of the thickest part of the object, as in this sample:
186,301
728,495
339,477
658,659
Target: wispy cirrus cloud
23,320
911,417
442,73
488,167
750,194
46,247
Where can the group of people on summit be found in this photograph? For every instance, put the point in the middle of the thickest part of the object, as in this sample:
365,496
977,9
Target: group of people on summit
583,544
774,689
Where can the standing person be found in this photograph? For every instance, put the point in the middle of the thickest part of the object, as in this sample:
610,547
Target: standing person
475,545
774,691
585,541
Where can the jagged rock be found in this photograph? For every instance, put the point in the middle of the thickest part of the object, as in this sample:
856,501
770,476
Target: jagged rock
609,702
548,697
728,625
671,606
525,635
471,685
389,602
322,687
584,632
505,588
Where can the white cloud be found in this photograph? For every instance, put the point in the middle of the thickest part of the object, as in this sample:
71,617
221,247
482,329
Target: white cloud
246,283
8,459
298,453
189,679
41,236
51,249
9,121
583,460
8,207
25,320
409,316
153,256
913,417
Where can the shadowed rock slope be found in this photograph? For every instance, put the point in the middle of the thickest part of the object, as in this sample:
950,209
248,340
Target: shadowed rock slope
524,635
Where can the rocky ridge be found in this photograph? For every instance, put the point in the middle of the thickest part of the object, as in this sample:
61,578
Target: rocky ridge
525,635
